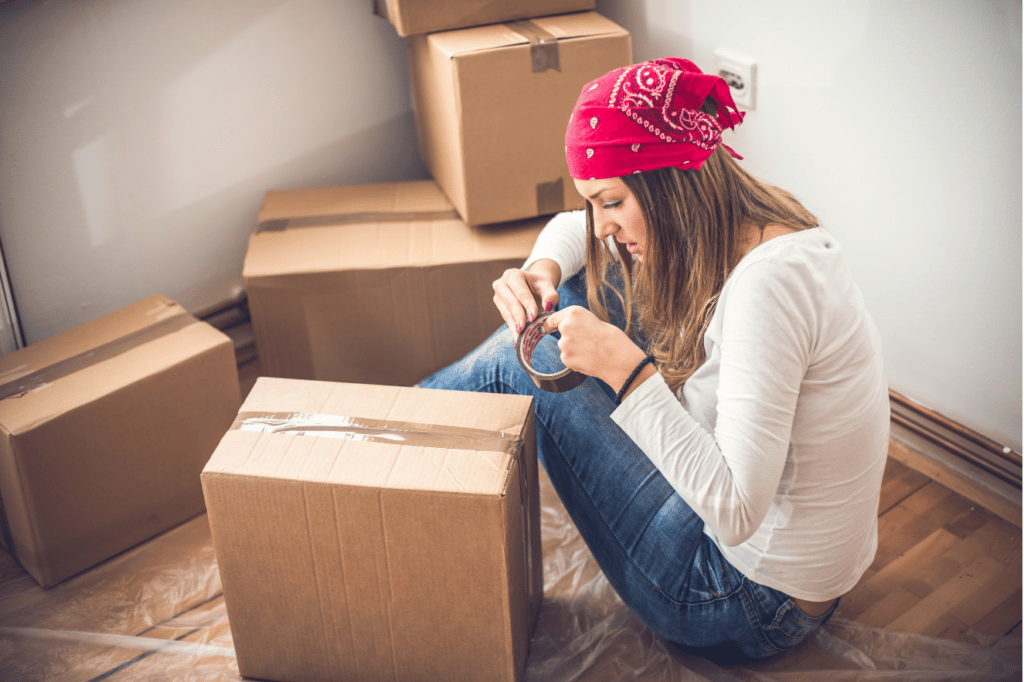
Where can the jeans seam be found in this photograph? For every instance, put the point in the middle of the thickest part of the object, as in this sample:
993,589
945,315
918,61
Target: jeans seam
755,622
612,532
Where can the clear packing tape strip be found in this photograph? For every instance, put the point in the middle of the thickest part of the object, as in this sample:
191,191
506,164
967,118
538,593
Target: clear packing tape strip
379,430
280,224
156,612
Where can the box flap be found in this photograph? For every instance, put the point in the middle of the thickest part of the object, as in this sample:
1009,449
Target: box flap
282,208
379,245
315,454
496,36
74,367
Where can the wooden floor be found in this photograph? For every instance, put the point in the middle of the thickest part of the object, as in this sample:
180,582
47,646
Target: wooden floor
945,566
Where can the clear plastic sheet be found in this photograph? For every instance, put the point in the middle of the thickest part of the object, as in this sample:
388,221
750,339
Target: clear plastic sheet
156,613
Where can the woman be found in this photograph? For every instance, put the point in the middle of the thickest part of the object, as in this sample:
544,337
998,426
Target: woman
724,465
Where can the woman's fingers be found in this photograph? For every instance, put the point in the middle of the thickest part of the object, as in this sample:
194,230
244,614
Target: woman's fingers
515,300
547,293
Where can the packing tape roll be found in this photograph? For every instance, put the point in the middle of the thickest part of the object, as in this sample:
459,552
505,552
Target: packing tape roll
558,382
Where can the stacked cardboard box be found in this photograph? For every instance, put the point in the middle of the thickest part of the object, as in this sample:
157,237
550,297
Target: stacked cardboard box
369,532
491,105
104,431
410,17
378,284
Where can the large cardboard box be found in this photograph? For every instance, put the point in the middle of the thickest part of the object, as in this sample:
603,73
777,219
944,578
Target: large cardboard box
492,103
410,17
370,532
104,432
378,284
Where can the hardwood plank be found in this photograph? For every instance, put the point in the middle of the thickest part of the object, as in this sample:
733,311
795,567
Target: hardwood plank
1006,542
995,592
968,521
929,508
898,483
949,627
946,626
939,568
885,611
875,587
922,616
1005,618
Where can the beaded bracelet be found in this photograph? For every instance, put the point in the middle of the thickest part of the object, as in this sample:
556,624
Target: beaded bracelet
632,376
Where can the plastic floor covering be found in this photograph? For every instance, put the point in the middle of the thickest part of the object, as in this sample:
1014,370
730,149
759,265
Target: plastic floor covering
156,612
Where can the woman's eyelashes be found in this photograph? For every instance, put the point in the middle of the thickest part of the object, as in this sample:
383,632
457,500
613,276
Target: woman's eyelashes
613,204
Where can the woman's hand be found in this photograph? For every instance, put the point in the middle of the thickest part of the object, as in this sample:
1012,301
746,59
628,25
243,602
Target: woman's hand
520,295
594,347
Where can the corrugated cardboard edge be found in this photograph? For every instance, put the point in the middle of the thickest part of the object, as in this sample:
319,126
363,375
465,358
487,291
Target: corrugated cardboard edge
387,9
15,502
499,36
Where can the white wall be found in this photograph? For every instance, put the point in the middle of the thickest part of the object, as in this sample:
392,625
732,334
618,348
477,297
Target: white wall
137,138
899,124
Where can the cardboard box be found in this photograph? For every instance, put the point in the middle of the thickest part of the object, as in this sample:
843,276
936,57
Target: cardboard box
374,284
410,17
104,431
492,104
371,532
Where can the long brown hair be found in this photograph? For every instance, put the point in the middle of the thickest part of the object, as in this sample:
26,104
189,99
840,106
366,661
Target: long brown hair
696,223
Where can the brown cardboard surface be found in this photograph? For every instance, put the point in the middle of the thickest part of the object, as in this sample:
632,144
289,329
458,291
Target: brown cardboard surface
372,295
491,128
372,559
410,17
98,459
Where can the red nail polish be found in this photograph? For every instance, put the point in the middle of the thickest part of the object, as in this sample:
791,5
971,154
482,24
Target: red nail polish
548,306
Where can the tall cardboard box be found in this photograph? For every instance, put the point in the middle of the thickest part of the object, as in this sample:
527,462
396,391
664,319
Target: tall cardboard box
370,532
104,432
378,284
410,17
492,103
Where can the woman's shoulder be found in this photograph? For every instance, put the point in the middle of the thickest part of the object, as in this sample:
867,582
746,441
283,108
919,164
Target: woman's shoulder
812,248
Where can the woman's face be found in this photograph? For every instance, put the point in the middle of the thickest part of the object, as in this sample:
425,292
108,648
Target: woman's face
616,213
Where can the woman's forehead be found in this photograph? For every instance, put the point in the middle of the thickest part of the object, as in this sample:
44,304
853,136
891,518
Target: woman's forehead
592,188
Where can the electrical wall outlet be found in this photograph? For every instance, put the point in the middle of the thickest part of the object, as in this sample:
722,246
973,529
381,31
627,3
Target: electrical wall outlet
740,72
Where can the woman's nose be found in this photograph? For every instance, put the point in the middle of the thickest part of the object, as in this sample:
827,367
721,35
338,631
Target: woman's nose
603,227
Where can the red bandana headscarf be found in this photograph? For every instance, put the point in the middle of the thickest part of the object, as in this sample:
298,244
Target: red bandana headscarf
647,116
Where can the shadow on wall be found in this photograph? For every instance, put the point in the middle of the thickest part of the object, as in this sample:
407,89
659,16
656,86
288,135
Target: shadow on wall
384,152
138,139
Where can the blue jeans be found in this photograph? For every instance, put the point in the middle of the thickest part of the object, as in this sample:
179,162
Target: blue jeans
646,539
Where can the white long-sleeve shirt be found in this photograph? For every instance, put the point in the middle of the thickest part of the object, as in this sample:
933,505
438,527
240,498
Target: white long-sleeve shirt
779,440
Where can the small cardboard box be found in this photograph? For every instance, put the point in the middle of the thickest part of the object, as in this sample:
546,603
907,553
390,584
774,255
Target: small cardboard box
492,103
378,284
104,432
410,17
370,532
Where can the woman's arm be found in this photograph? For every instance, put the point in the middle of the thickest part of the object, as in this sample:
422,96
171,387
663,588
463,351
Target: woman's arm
564,241
730,477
